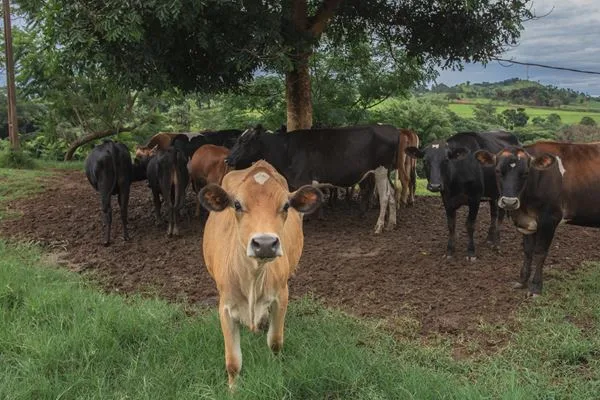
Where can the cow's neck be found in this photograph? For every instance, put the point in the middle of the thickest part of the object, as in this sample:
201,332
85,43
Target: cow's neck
252,279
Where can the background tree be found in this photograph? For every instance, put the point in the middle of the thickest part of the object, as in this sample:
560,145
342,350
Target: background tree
589,121
193,46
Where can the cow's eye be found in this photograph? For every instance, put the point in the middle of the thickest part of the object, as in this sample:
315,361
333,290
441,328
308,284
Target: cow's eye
237,206
286,207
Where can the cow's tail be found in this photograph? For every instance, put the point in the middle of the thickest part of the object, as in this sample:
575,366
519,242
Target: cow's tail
174,186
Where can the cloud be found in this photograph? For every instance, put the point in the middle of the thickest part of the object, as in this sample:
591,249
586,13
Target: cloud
567,37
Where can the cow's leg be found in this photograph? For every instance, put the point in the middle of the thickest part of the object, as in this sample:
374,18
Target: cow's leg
451,220
231,337
277,321
528,246
123,207
543,240
413,187
156,200
171,215
471,219
391,208
106,215
493,234
381,183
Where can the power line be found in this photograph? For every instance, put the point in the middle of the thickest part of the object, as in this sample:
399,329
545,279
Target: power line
547,66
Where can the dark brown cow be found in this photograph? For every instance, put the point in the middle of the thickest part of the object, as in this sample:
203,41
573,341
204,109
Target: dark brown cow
580,164
530,188
207,165
406,173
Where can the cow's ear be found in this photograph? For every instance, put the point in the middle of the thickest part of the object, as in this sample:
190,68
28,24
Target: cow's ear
414,152
458,153
306,199
214,198
485,158
543,162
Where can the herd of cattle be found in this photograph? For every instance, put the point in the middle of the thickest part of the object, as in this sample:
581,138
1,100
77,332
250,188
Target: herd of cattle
253,237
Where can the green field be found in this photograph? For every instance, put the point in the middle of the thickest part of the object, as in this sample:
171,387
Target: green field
63,338
567,117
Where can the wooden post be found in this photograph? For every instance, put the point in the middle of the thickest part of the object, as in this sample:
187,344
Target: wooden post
13,127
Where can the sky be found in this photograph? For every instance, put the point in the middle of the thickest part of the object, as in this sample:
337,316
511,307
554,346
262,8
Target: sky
569,36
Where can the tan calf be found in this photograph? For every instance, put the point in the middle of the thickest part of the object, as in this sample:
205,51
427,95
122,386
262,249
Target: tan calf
207,165
252,244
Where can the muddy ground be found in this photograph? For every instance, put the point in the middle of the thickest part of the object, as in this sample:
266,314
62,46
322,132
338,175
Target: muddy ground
397,274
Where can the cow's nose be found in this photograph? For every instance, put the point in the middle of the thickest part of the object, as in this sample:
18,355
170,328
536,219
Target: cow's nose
434,187
264,246
509,203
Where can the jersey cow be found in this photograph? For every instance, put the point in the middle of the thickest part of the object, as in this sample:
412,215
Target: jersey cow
565,190
109,170
406,173
168,176
452,170
207,166
252,244
335,156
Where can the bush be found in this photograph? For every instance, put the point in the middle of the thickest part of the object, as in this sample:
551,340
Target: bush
589,121
579,133
16,159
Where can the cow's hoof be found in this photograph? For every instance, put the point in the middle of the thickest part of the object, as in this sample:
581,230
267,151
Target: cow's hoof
126,238
471,258
449,257
390,227
519,285
106,244
532,294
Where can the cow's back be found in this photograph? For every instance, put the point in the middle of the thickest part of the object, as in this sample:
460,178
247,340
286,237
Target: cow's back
339,156
580,164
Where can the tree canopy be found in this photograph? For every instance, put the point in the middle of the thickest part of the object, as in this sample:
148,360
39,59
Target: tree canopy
217,45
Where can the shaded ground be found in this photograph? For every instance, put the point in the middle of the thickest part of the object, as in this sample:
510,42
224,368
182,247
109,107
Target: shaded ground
397,274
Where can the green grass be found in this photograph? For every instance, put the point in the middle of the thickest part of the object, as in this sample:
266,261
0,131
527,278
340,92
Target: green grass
422,189
567,116
62,338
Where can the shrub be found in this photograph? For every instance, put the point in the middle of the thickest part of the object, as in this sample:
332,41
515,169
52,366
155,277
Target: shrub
17,159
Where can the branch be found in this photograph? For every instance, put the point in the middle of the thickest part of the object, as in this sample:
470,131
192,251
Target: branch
323,16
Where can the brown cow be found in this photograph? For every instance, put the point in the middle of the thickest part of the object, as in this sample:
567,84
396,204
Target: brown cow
207,165
252,244
406,173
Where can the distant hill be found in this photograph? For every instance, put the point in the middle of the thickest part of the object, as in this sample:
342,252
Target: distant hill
515,91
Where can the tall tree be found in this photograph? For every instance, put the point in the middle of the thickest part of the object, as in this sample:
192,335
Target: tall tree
215,45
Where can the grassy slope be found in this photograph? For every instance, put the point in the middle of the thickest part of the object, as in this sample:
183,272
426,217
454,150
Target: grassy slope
567,116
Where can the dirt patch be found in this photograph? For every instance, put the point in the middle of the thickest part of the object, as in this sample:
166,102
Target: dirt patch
397,274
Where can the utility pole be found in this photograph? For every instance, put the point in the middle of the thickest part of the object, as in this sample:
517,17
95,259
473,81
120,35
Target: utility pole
13,127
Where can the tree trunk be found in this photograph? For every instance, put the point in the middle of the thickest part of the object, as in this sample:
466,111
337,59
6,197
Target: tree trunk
298,96
86,139
13,124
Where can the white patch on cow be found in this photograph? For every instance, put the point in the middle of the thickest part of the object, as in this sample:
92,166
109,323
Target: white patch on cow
245,132
435,146
512,164
561,166
261,177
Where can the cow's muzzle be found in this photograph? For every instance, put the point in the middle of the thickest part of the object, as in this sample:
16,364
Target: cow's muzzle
509,203
435,187
264,246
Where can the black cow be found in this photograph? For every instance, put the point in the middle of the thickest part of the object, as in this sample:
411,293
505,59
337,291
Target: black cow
337,156
531,190
452,169
168,176
109,170
190,143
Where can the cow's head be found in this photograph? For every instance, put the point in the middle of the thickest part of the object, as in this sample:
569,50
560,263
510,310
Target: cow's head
247,149
436,159
143,152
259,199
512,169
